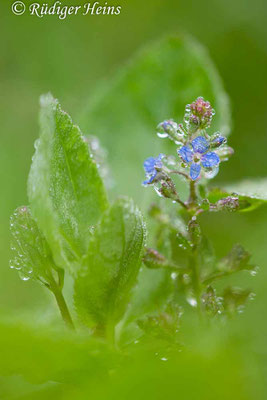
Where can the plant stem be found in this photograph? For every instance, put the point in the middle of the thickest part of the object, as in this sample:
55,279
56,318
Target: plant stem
193,195
62,305
63,308
196,279
174,171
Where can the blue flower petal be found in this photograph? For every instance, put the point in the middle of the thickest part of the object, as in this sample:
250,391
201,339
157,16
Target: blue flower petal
158,162
200,145
149,165
195,171
186,153
210,159
150,180
152,162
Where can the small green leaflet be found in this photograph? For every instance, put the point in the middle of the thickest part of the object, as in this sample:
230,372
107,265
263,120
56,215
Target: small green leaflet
32,256
66,193
251,193
111,266
238,259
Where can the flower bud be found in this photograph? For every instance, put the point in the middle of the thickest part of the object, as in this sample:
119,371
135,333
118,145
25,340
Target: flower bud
225,152
198,114
153,259
170,129
229,203
168,126
217,140
167,190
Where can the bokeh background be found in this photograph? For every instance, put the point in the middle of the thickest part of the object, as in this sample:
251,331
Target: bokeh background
72,57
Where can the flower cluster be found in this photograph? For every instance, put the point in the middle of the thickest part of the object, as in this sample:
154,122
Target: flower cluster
199,154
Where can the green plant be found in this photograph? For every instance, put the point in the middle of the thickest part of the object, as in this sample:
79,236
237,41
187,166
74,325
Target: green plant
127,317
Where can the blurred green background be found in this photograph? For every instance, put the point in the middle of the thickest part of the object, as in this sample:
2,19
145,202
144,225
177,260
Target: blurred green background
71,57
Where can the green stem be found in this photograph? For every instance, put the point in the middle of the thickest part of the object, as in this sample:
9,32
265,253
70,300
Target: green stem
56,289
63,308
196,279
193,195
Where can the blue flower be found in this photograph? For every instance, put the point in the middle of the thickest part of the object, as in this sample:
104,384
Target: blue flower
196,155
151,165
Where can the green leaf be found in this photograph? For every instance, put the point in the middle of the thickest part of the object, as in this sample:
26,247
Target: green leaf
250,193
234,299
32,256
238,259
155,85
153,289
111,266
66,193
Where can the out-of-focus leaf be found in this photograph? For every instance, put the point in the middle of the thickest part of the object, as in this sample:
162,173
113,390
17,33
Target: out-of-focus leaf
155,86
238,259
163,325
66,193
234,299
42,356
250,193
32,256
111,266
153,289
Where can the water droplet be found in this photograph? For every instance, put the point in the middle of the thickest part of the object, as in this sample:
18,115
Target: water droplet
252,296
36,143
162,135
254,271
164,359
192,301
240,309
174,275
24,277
157,190
212,173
